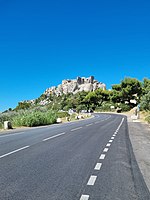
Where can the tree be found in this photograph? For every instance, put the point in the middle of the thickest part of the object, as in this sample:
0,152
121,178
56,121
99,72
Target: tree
145,102
129,89
146,86
23,105
91,100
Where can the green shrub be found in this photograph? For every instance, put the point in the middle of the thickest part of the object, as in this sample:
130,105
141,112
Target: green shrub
124,107
35,118
105,107
1,125
145,102
62,114
148,118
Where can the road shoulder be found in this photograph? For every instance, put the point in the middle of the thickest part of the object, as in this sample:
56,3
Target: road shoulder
139,134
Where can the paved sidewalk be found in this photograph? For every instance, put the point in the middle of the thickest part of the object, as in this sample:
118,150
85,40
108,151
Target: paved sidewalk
139,133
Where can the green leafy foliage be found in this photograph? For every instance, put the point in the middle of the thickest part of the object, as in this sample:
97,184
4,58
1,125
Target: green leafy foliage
148,118
35,118
23,105
146,86
145,102
129,89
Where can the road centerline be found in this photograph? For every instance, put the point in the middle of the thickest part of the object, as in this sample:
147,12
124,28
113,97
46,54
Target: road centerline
15,151
54,136
75,129
89,124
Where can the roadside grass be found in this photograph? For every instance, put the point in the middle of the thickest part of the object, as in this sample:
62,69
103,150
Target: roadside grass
36,117
147,117
29,118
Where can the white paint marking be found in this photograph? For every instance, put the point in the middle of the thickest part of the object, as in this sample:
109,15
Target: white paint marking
120,124
114,135
108,145
105,150
84,197
92,180
97,122
110,140
102,156
54,136
76,128
11,134
98,166
89,124
7,154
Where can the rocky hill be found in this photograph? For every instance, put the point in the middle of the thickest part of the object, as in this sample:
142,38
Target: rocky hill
77,85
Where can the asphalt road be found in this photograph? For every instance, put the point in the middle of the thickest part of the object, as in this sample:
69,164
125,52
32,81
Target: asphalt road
86,160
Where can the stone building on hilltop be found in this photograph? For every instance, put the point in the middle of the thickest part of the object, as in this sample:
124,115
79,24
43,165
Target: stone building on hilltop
75,85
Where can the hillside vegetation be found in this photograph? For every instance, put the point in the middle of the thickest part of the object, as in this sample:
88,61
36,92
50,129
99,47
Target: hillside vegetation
122,97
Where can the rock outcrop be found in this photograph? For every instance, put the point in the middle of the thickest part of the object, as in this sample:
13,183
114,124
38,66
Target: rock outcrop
74,86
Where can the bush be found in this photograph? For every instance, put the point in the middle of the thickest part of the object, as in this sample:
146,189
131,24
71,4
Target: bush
145,102
124,107
105,107
148,118
35,118
1,125
62,114
8,116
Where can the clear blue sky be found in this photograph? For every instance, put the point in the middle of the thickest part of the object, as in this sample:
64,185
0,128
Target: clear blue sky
45,41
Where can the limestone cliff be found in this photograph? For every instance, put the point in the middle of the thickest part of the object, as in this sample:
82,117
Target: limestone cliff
74,86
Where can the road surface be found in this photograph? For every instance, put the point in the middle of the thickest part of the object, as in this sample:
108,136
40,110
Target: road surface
86,160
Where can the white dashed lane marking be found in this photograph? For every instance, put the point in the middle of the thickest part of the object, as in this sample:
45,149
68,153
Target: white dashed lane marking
105,150
92,180
54,136
97,122
75,129
89,124
98,166
84,197
102,156
7,154
110,140
108,145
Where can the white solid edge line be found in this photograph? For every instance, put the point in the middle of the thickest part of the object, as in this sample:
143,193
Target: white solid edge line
84,197
54,136
98,166
7,154
92,180
102,156
76,128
